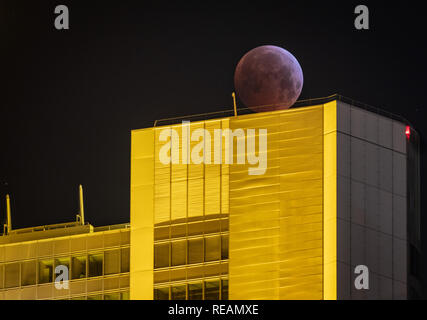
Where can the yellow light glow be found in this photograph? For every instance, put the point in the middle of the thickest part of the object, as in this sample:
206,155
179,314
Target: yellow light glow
282,238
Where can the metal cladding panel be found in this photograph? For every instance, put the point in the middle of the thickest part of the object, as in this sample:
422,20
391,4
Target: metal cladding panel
330,200
372,227
142,224
282,233
399,138
276,219
184,188
385,132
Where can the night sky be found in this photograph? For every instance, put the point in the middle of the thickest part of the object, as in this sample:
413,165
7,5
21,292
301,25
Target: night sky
69,99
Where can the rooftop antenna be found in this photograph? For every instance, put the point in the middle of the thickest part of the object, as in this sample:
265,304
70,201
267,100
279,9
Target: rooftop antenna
8,226
81,215
234,104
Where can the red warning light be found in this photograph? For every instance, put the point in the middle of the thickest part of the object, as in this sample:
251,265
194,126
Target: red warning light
408,132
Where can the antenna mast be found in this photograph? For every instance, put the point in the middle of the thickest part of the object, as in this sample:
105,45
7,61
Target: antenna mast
8,226
81,205
234,104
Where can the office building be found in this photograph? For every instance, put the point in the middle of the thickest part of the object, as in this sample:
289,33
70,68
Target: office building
275,205
97,260
340,190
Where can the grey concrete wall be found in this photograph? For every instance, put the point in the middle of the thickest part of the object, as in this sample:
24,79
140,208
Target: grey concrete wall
371,203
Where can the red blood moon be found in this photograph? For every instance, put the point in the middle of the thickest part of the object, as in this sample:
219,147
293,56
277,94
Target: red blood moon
268,78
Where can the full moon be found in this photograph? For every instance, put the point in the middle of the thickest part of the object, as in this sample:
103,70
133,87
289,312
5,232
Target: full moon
268,78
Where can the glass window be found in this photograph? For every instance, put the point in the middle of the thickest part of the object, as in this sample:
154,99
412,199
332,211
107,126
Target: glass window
95,297
212,290
125,260
179,252
195,228
161,255
224,247
112,261
224,225
124,295
224,289
161,293
28,273
45,271
212,248
161,233
78,267
95,264
195,250
195,291
112,296
212,226
11,275
178,231
179,292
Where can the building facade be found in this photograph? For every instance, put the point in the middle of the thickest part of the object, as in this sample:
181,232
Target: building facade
97,260
339,191
276,205
378,218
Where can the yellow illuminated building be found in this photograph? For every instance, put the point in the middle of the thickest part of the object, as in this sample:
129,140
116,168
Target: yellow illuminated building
273,205
97,260
216,232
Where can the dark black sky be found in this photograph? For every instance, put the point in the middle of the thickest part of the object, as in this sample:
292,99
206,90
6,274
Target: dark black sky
68,99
